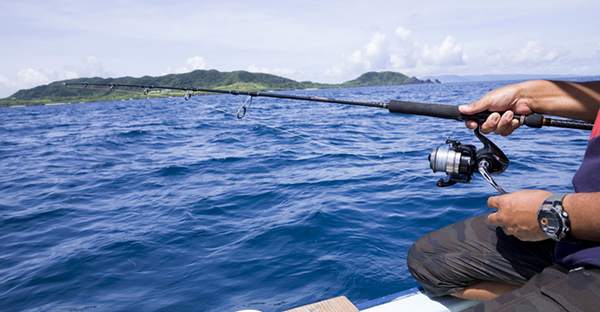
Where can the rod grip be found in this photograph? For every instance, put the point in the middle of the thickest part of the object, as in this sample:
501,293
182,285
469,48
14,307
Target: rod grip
423,109
436,110
452,112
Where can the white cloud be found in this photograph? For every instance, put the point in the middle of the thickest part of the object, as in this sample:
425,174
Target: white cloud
193,63
356,58
537,52
412,55
534,55
7,87
196,62
376,57
543,58
351,64
377,52
448,53
408,55
32,77
286,72
402,33
404,55
90,67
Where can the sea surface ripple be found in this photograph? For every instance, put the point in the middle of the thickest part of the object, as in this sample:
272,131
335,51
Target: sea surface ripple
173,205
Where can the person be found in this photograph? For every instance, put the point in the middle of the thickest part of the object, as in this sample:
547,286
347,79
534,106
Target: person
527,255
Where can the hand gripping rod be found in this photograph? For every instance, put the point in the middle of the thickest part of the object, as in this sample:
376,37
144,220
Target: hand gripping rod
452,112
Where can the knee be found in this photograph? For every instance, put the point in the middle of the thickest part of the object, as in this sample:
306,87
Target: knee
426,264
416,259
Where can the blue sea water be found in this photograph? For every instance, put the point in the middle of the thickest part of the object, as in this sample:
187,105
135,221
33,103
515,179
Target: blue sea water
173,205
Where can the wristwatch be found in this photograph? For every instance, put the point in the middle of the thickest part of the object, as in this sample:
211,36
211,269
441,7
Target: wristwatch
553,220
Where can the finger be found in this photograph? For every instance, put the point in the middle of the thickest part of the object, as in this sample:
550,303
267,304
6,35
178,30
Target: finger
493,202
491,123
505,122
471,124
514,124
493,220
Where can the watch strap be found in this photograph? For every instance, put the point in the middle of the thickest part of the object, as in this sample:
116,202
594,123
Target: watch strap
558,197
553,205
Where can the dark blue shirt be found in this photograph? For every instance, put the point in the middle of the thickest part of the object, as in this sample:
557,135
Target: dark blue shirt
586,180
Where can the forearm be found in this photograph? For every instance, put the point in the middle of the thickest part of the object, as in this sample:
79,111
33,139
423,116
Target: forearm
584,213
557,98
560,98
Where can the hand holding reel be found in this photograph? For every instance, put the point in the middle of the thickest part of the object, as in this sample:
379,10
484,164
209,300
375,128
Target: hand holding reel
460,161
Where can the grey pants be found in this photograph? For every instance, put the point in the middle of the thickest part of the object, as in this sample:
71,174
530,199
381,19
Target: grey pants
468,252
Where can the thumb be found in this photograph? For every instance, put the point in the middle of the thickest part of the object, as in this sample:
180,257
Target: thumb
473,108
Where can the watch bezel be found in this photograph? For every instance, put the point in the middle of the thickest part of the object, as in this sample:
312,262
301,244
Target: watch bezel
552,210
546,216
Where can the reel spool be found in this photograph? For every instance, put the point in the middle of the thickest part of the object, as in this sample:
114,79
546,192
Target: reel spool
461,161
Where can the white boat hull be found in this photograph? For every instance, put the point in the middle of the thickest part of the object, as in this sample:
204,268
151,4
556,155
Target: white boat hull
415,299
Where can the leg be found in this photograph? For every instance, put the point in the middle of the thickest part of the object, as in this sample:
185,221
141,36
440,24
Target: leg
555,289
485,290
466,253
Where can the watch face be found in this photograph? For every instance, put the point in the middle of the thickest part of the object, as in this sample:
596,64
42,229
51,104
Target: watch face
549,223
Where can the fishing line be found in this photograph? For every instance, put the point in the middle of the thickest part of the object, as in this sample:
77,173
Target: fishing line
459,161
111,89
394,106
311,140
242,112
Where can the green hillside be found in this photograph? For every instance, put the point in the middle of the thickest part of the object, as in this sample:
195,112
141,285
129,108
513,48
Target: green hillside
381,79
208,79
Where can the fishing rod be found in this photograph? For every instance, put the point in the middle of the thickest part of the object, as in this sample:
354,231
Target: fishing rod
458,161
394,106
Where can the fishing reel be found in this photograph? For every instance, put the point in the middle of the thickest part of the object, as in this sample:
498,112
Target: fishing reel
460,161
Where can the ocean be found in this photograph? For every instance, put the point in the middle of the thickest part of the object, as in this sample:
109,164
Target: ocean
171,205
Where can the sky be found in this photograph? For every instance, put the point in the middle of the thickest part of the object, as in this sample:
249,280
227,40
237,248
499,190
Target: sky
316,40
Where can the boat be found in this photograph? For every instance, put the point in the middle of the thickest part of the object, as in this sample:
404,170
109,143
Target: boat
414,299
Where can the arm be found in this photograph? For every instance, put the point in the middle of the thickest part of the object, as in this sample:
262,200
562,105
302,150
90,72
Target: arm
557,98
584,216
517,213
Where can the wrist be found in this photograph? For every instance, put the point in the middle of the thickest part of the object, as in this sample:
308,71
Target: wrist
526,92
554,220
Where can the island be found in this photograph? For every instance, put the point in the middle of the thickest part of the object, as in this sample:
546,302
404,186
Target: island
55,93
